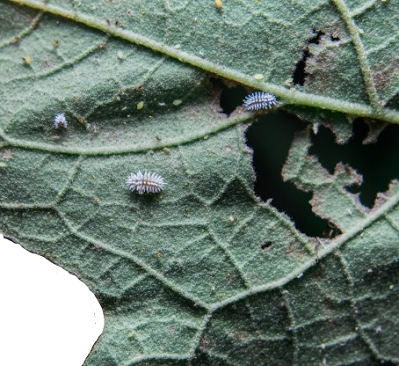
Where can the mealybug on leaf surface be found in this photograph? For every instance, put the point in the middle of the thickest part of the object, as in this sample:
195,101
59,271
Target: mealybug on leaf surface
60,121
145,183
259,100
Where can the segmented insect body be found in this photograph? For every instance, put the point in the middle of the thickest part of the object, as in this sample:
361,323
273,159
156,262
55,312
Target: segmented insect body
259,100
145,183
60,121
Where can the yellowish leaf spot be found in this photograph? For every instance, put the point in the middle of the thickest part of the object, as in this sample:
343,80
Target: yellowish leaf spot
27,60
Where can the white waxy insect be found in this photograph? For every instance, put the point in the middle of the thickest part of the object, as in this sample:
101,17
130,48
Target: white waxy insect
60,121
259,100
145,183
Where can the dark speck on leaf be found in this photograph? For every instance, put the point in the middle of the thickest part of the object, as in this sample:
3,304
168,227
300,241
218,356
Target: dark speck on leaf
266,245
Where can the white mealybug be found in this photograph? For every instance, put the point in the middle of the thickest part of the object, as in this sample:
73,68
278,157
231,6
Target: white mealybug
259,100
145,183
60,121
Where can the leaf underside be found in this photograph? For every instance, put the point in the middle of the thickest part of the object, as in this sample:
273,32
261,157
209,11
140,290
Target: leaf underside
203,273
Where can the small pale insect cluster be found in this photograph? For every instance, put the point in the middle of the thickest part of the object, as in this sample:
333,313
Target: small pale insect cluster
145,183
259,100
60,121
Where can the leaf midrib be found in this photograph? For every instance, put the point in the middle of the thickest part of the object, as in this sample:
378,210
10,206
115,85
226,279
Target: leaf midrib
289,96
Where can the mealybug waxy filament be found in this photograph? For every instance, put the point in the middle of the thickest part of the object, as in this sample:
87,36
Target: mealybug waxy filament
259,100
60,121
145,183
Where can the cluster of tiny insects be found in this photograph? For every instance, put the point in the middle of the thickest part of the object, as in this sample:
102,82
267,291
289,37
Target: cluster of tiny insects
145,183
259,100
154,183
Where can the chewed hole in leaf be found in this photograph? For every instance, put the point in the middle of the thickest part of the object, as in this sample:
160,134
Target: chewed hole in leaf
299,74
376,162
271,138
47,326
231,96
266,245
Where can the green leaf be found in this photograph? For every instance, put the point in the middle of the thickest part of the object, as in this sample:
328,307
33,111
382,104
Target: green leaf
202,273
353,69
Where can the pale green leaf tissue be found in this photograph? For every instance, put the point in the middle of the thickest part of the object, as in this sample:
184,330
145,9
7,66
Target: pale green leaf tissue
181,275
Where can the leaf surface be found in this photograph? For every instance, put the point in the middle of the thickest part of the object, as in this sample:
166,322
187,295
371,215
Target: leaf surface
203,273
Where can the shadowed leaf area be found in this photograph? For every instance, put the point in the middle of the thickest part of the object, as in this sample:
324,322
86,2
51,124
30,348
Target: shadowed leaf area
374,161
286,254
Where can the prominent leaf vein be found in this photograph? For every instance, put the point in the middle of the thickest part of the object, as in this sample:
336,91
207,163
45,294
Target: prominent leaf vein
361,54
290,96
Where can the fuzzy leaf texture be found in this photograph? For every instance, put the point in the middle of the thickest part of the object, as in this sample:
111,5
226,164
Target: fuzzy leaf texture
185,277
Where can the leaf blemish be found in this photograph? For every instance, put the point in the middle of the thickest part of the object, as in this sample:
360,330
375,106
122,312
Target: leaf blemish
27,60
266,245
299,74
7,154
